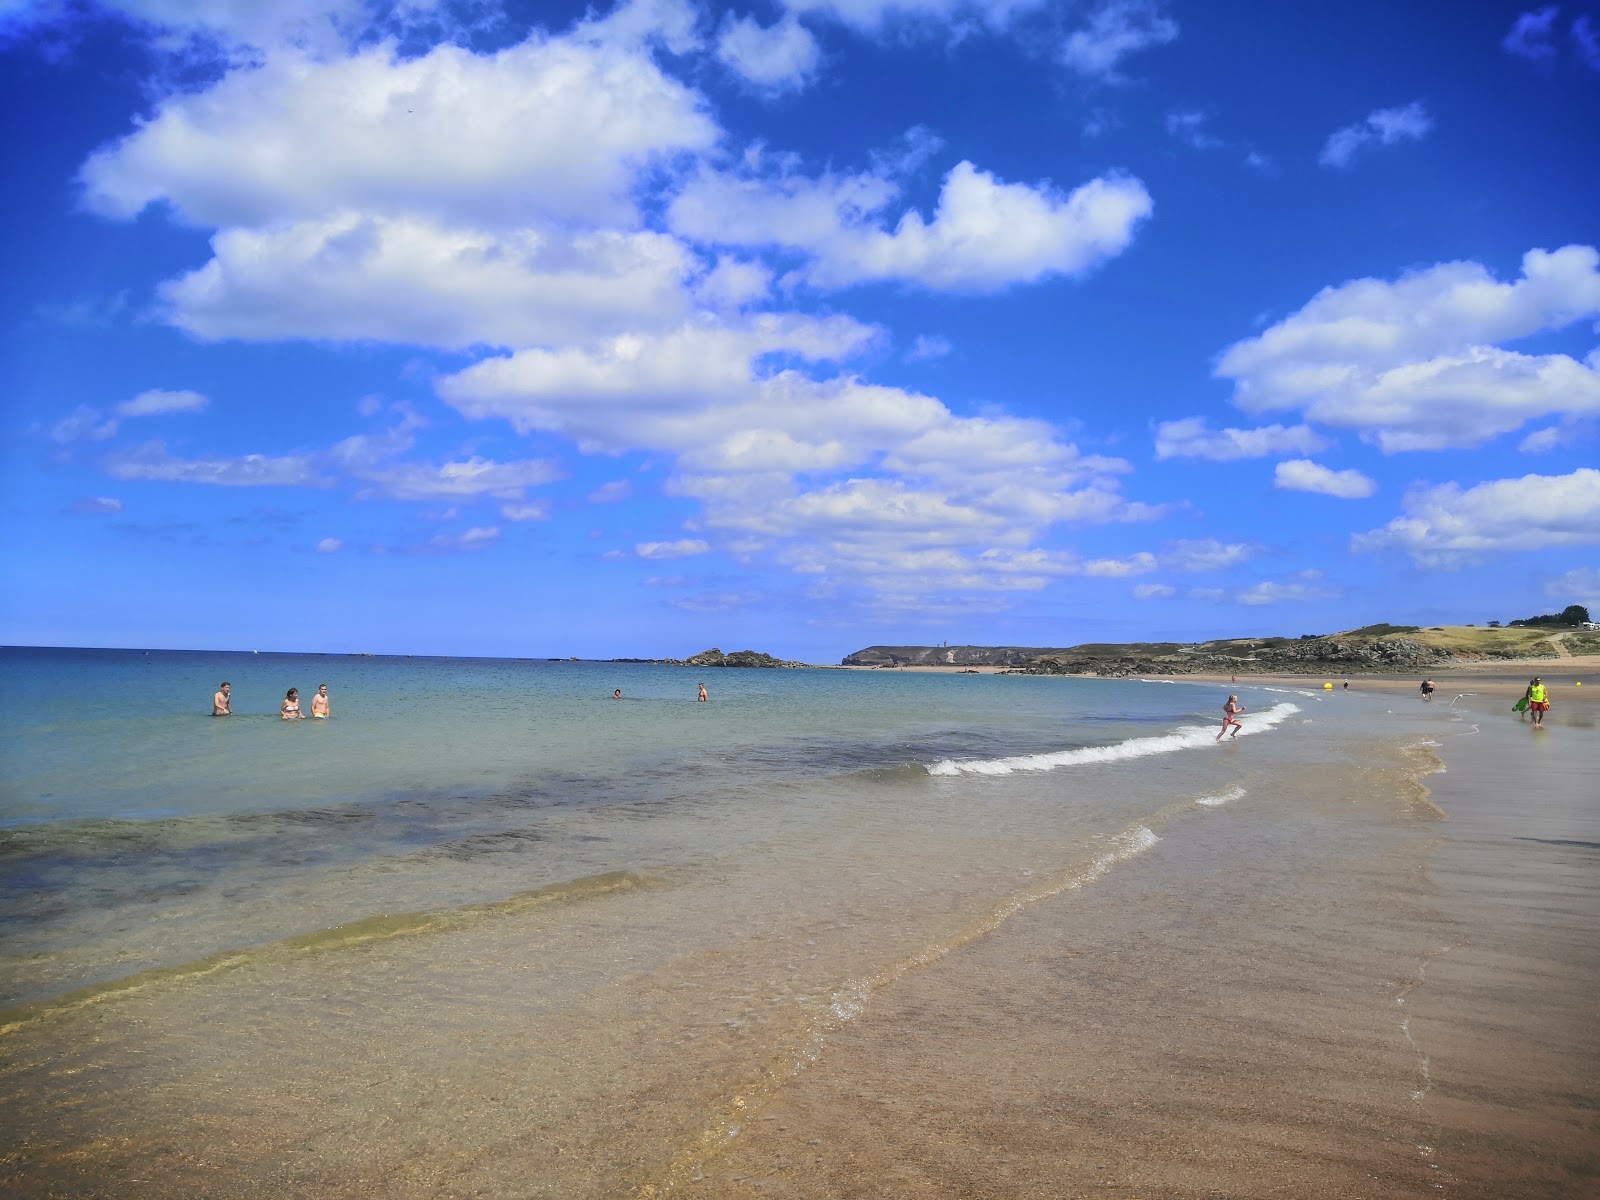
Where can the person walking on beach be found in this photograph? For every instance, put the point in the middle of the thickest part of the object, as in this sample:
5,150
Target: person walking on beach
319,703
1538,701
704,696
289,710
1427,689
1230,716
222,702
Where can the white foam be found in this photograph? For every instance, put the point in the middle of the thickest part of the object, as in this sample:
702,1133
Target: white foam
1221,798
1185,737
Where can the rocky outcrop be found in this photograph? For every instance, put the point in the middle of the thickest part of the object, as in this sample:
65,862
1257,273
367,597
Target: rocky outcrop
945,656
716,658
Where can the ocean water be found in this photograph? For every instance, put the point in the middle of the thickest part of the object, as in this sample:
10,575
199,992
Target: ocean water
506,929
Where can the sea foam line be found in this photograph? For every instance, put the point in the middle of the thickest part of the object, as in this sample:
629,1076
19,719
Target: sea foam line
1186,737
1221,798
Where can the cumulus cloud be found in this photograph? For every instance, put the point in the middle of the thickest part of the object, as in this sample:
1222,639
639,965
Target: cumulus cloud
683,548
610,493
329,545
985,234
550,129
1114,31
1275,592
468,478
779,57
354,277
1446,525
1141,563
1532,35
1412,364
1303,475
538,510
1383,127
1192,438
159,403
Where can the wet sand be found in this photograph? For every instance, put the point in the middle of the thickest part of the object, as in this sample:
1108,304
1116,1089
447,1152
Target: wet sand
1418,1021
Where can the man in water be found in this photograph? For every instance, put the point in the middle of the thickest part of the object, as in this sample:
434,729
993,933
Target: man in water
222,702
1538,701
319,703
1427,689
617,695
1230,716
703,695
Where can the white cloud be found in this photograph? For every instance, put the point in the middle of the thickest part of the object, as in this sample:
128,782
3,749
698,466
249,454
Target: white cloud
1115,30
1383,126
610,493
734,283
870,16
1191,438
539,510
95,506
1189,127
928,346
152,462
1446,525
1556,437
1273,592
329,545
985,234
1532,35
1120,568
1206,554
679,549
1152,591
464,542
157,403
1581,585
1410,364
1303,475
551,129
468,478
354,277
780,57
83,424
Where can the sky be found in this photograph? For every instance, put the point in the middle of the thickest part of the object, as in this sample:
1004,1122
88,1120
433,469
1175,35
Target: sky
492,328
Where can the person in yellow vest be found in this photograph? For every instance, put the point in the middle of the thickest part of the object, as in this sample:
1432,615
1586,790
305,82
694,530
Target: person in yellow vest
1538,700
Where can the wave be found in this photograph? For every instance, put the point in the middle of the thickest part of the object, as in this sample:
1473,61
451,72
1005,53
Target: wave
1221,798
1185,737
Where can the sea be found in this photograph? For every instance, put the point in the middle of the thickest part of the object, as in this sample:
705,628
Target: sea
488,930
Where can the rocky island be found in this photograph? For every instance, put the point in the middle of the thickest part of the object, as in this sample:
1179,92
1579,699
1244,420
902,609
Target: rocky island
716,658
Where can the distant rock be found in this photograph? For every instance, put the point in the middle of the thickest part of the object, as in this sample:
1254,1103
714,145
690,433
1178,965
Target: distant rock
716,658
945,656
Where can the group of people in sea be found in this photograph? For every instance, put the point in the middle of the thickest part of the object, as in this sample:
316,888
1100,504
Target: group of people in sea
289,710
702,697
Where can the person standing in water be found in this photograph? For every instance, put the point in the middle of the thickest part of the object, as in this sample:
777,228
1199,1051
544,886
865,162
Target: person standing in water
703,693
1230,716
289,710
319,703
1538,701
1427,689
617,695
222,702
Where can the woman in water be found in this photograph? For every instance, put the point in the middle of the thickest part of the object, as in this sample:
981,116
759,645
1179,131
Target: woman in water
1230,716
289,710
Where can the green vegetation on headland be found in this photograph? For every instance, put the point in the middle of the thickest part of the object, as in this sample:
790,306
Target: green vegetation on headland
1374,649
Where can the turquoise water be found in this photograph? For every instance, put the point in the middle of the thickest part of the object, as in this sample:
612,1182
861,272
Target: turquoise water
138,832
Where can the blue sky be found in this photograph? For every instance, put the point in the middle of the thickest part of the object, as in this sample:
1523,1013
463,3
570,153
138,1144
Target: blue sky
494,328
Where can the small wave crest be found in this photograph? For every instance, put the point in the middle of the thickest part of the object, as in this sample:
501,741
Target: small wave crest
1185,737
1221,798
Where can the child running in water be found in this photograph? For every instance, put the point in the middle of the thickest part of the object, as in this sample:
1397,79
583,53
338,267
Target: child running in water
1230,716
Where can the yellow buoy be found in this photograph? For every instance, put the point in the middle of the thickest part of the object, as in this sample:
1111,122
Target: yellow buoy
1577,683
1327,687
